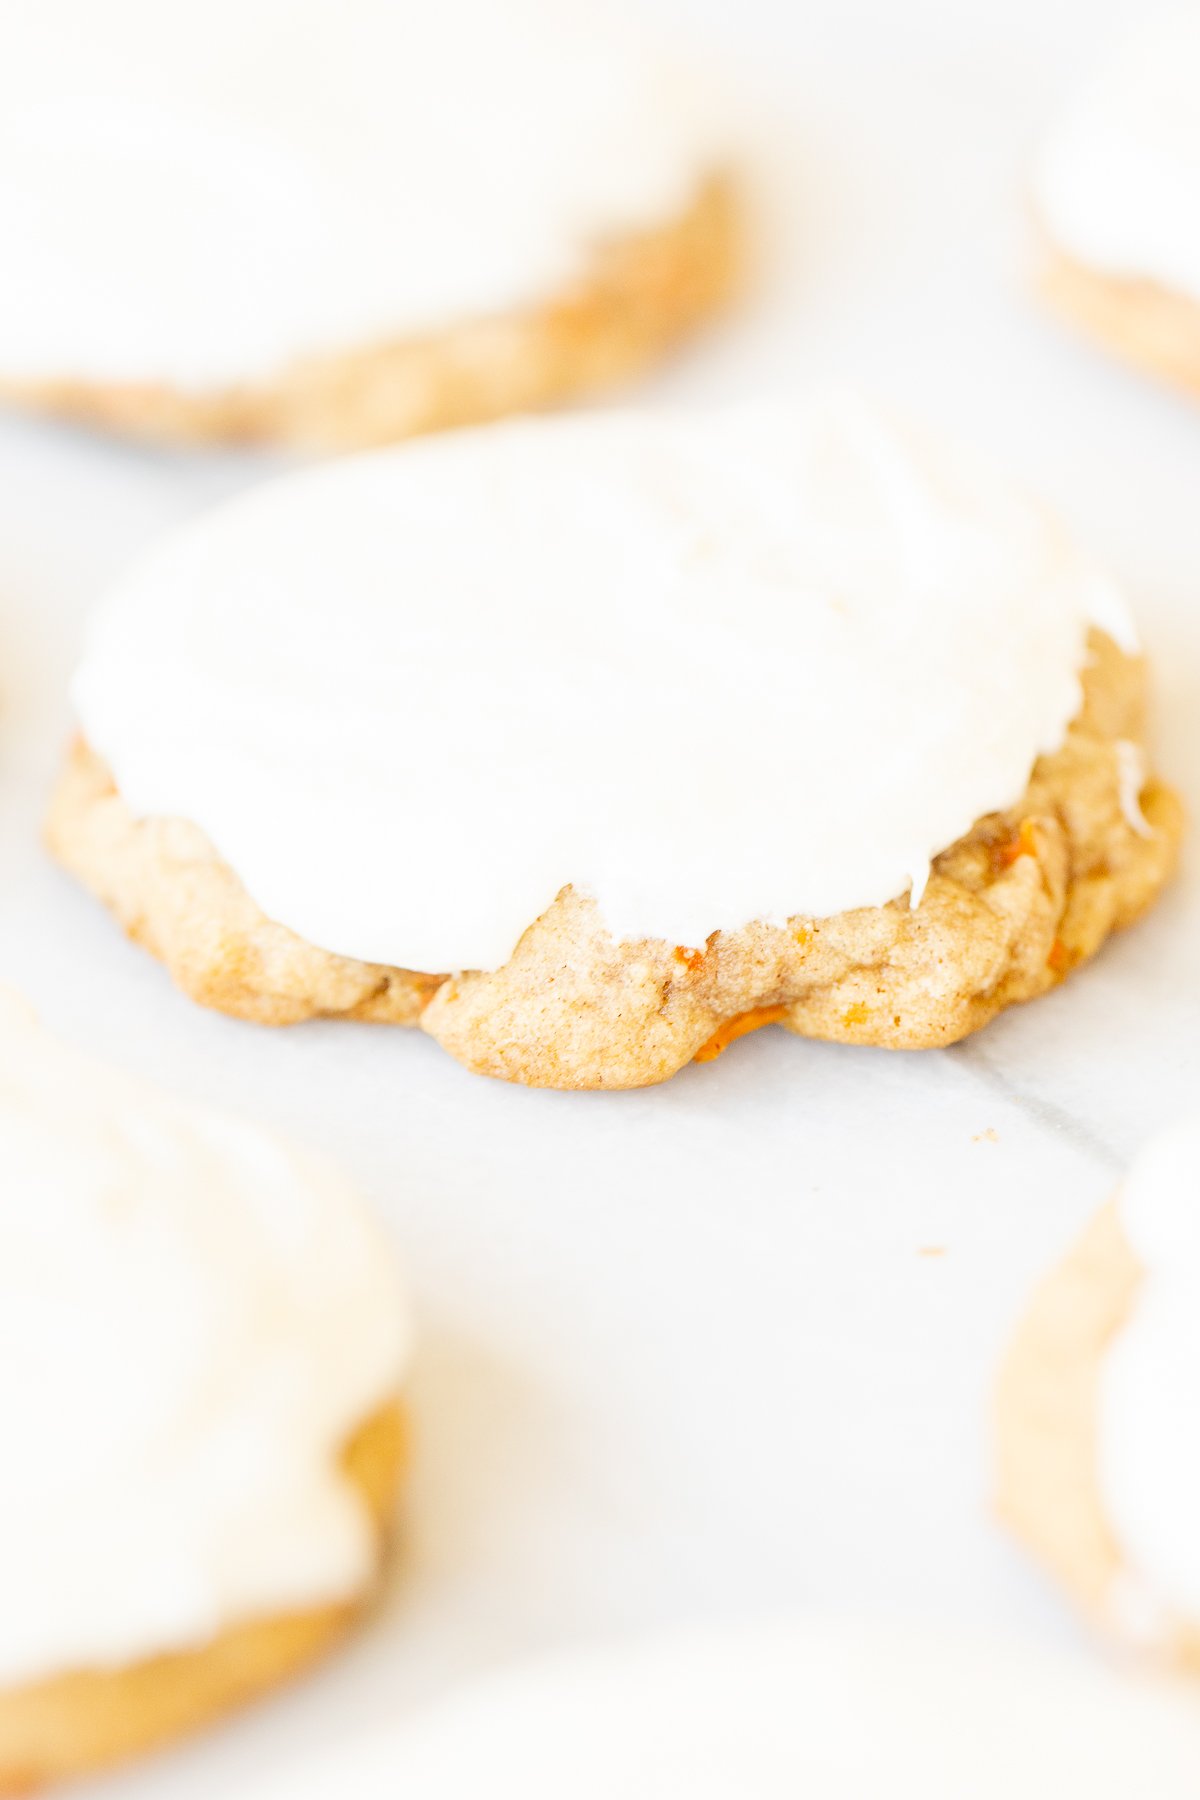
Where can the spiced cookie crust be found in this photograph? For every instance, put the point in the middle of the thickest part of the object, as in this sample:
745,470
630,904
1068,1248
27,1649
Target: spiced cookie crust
1008,911
85,1720
643,294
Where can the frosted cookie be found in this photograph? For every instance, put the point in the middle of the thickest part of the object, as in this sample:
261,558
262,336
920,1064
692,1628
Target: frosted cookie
825,1708
201,1346
1099,1470
1117,194
590,744
339,222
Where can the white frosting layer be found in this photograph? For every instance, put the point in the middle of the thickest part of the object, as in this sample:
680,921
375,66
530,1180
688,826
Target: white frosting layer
1117,184
710,669
1148,1441
818,1710
193,1322
197,194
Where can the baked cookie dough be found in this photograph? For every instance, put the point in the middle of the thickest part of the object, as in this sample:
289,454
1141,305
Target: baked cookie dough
1117,197
347,221
1098,1471
629,734
203,1345
815,1706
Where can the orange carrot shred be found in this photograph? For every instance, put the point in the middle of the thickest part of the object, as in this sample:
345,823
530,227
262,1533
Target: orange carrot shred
732,1029
1059,958
1023,844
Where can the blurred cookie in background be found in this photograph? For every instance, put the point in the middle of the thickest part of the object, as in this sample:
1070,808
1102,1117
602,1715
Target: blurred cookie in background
202,1345
833,1708
1099,1467
339,222
1117,196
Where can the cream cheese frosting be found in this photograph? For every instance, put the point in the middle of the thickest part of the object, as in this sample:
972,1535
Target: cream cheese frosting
713,668
832,1709
196,195
1148,1442
194,1320
1117,184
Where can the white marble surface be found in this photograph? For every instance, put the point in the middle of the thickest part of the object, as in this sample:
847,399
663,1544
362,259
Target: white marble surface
683,1355
771,1712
